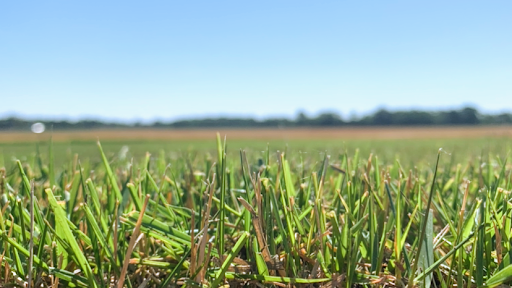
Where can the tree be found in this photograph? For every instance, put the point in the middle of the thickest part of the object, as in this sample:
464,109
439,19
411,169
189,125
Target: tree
328,119
302,119
382,117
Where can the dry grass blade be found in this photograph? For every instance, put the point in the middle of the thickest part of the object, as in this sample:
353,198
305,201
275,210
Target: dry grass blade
133,239
204,238
337,169
262,243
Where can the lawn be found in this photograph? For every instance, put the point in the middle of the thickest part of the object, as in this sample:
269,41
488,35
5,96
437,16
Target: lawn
323,212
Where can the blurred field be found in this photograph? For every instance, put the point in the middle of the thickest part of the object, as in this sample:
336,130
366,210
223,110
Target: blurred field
269,134
410,143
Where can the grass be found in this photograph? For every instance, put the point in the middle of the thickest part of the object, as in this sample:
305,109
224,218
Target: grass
314,214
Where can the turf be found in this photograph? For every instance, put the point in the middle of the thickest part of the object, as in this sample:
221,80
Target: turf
302,213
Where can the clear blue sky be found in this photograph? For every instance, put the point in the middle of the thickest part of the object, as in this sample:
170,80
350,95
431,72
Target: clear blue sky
173,59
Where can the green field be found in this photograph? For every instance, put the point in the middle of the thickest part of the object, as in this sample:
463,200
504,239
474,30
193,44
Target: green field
299,213
407,150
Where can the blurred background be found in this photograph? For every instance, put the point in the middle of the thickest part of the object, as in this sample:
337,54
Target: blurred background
181,70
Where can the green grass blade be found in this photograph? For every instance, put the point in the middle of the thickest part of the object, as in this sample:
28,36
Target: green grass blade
110,174
502,277
67,235
219,276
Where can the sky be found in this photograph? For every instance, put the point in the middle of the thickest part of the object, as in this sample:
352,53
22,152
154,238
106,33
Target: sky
175,59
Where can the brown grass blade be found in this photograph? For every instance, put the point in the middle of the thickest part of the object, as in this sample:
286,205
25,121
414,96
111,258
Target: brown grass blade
133,239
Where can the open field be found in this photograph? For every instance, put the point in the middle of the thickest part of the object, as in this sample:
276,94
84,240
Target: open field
309,209
464,142
270,134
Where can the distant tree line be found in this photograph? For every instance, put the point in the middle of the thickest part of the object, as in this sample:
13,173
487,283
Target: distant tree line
382,117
